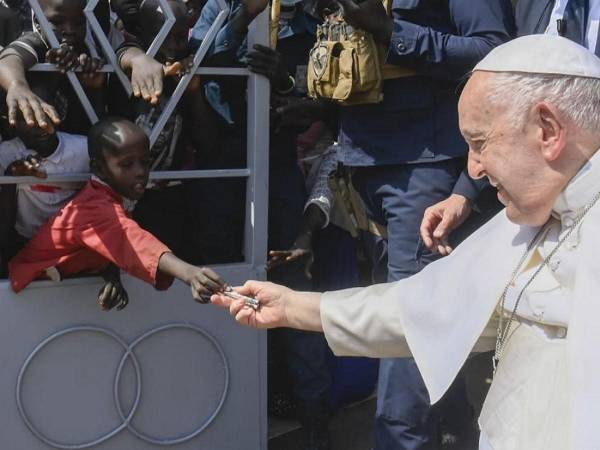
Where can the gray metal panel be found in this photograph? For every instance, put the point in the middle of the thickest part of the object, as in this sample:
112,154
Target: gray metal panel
67,389
257,193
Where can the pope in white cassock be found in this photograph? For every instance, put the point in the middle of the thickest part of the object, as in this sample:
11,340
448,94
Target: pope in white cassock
528,282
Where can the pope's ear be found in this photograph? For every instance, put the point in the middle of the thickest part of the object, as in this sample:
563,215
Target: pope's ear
552,130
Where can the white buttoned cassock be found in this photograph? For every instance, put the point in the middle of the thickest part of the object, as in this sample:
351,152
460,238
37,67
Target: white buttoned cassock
546,391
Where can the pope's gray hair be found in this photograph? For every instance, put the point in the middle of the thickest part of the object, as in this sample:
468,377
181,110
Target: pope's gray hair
578,98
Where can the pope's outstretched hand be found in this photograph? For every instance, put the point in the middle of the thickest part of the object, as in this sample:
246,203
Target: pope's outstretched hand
279,307
272,298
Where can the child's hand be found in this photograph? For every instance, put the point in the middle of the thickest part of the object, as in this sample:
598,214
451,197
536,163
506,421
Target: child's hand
301,250
181,67
204,282
33,109
88,64
64,57
89,76
26,167
113,294
147,77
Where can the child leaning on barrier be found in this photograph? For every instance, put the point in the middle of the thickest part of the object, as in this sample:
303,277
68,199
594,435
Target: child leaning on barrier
95,229
77,50
38,153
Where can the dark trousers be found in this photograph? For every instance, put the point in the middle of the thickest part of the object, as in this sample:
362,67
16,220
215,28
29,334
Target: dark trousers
397,196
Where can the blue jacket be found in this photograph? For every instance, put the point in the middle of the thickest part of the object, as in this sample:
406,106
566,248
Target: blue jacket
418,119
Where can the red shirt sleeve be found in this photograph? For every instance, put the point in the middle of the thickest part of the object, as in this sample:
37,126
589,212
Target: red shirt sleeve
108,231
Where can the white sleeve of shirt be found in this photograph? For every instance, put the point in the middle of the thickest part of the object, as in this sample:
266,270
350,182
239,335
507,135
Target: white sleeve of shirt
75,158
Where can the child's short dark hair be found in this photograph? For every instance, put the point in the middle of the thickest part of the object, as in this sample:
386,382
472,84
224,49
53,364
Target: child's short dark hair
104,136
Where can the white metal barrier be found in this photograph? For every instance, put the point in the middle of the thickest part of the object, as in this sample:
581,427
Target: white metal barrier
165,371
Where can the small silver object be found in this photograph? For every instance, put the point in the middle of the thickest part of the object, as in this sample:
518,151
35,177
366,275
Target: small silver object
248,301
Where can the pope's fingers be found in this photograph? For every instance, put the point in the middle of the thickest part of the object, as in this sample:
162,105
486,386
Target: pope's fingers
244,315
250,288
220,300
236,306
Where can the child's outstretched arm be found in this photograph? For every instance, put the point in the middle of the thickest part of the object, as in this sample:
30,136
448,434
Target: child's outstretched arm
112,293
109,232
203,281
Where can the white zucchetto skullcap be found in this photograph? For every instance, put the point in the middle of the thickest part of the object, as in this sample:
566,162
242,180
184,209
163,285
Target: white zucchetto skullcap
543,54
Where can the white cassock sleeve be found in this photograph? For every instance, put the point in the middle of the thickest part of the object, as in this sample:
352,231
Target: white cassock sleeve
354,326
438,315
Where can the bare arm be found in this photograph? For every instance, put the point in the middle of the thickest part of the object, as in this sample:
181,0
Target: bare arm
12,69
202,280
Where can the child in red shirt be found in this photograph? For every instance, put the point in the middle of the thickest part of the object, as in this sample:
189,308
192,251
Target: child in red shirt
94,229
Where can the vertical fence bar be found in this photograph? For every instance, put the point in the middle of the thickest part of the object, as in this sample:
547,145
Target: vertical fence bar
258,156
257,197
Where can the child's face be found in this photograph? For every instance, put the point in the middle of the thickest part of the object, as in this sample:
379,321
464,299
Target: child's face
194,8
126,169
66,19
175,46
35,138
